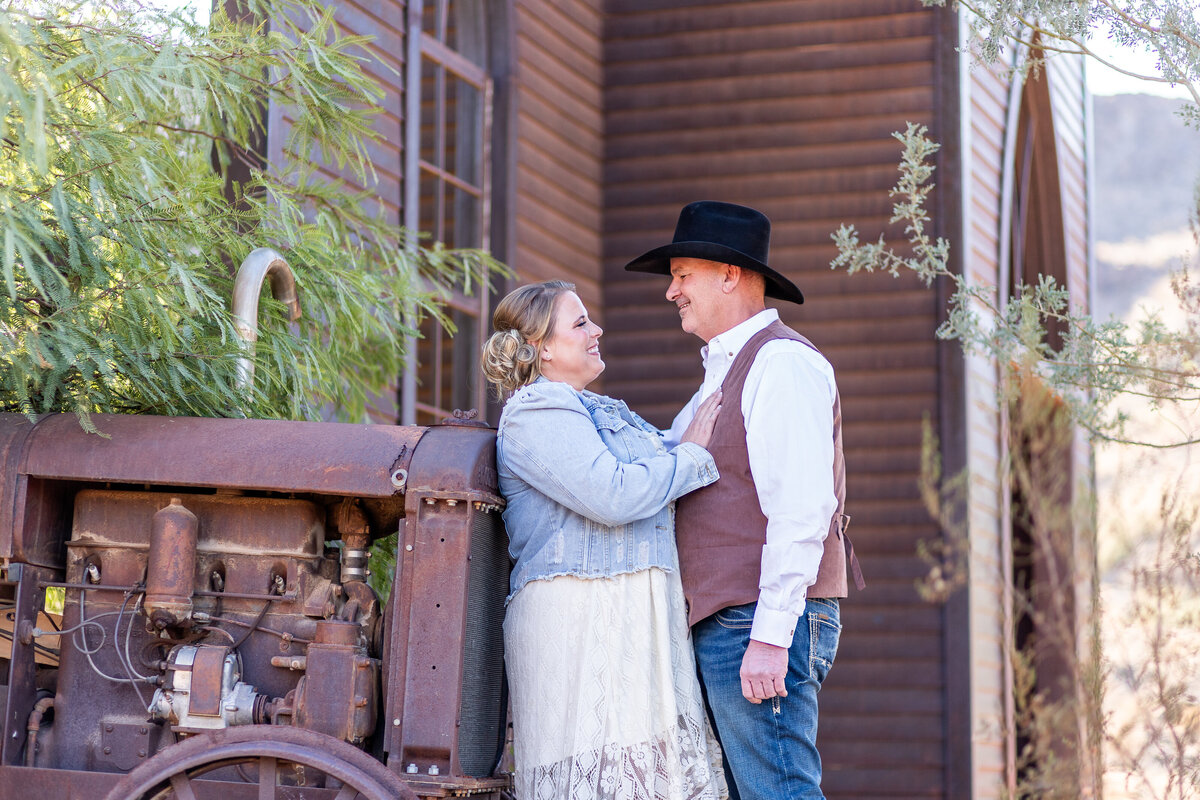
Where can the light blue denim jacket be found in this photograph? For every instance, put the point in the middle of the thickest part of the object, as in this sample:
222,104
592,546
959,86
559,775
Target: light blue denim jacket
590,485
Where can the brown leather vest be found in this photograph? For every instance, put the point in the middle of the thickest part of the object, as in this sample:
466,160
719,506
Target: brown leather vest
721,530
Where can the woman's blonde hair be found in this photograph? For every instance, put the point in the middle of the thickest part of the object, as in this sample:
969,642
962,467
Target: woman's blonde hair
524,320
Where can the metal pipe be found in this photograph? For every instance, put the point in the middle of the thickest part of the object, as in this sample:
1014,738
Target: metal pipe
261,264
33,726
112,587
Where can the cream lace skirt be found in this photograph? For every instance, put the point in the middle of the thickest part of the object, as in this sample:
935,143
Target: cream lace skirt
605,701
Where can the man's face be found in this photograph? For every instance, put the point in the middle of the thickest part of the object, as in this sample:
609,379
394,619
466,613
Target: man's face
697,290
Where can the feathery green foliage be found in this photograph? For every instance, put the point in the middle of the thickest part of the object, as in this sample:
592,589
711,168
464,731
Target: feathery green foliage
118,243
1036,29
1096,363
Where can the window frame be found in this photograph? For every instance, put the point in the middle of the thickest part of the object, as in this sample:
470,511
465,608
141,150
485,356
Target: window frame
449,64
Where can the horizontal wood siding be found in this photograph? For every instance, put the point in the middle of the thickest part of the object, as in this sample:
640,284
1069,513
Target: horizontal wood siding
382,58
559,145
789,106
987,103
1068,103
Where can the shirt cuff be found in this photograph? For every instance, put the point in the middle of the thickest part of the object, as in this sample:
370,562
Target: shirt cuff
773,627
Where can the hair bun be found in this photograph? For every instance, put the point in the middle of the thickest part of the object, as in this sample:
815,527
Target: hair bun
510,360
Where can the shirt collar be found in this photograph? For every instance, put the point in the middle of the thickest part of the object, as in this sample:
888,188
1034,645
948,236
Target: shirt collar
731,342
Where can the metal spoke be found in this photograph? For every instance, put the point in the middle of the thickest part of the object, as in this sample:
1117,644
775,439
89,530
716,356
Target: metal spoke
182,786
348,792
267,766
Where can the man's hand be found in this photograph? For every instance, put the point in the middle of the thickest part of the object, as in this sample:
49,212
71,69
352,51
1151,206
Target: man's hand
763,669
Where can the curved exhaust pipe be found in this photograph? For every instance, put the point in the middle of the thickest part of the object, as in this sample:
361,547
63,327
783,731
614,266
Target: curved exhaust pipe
261,264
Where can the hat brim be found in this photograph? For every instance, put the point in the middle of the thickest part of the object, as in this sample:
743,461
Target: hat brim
658,262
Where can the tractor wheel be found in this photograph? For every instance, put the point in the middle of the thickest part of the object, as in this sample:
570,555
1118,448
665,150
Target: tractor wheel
278,761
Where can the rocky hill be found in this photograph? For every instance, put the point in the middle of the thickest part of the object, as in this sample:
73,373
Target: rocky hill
1147,166
1147,162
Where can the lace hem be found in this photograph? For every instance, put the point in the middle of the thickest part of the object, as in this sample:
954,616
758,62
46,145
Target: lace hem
672,766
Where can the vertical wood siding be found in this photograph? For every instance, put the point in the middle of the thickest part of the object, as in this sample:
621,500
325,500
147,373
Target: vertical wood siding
559,108
384,20
789,106
1067,99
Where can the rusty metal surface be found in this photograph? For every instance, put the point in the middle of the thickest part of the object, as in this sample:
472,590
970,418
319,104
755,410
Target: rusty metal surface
54,784
337,694
247,454
58,784
456,462
228,524
171,573
128,744
479,788
247,542
255,567
22,675
426,647
435,647
206,680
265,748
14,429
45,507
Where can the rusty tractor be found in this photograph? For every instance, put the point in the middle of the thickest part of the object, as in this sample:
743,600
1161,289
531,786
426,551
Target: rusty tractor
218,637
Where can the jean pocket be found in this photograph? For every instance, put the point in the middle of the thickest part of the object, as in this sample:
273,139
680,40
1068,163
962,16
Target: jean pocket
824,632
736,618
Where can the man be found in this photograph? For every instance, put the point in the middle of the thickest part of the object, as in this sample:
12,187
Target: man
762,551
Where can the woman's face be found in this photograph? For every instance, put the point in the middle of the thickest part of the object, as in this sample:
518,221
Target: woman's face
571,354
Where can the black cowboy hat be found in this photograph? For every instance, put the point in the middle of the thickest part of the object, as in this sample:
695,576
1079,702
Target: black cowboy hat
724,233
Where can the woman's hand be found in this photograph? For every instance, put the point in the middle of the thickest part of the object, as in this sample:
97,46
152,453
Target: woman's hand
701,427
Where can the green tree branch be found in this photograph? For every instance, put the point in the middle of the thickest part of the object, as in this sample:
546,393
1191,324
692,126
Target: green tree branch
116,234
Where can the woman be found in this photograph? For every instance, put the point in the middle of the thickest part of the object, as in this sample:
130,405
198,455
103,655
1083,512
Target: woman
605,701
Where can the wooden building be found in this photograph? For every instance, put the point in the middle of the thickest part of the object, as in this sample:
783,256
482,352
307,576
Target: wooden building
565,135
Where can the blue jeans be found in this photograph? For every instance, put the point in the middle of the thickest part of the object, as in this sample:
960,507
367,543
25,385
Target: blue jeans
770,748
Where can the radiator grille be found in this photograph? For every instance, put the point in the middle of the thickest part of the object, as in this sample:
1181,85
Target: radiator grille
482,710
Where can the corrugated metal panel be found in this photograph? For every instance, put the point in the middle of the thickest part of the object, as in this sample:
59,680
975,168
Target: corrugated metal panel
789,106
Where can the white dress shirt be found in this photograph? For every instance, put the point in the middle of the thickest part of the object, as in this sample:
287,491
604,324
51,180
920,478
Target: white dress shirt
787,405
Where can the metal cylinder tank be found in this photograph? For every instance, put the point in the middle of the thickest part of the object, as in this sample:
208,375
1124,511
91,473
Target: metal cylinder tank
171,573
